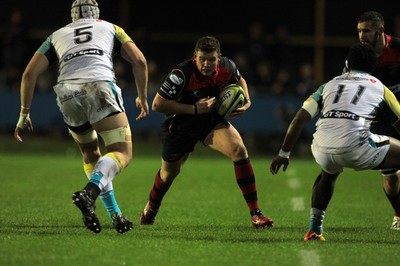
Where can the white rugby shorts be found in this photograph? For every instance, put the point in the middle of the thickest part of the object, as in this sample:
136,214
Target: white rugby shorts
88,102
365,157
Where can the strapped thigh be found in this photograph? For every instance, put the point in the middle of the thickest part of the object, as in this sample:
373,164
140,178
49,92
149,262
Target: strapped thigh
121,134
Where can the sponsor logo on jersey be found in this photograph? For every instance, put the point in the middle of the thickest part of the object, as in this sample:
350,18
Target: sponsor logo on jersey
349,77
83,52
341,115
168,88
175,79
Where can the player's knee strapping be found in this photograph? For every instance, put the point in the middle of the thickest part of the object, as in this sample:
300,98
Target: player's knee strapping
88,137
121,134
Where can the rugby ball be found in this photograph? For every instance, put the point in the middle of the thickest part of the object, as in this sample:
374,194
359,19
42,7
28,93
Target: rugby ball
230,98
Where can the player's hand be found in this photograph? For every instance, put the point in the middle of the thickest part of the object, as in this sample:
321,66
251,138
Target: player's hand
204,105
23,122
276,164
144,106
240,110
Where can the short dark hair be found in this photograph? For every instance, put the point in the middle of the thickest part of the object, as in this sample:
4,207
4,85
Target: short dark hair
373,16
362,57
208,44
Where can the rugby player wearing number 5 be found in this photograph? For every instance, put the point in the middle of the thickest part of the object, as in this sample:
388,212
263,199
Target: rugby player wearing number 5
187,97
90,102
347,104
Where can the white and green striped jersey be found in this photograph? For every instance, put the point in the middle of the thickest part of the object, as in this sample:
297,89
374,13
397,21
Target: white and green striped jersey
348,103
84,50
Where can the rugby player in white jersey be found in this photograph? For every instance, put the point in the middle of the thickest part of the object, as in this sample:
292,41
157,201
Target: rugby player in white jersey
90,102
347,104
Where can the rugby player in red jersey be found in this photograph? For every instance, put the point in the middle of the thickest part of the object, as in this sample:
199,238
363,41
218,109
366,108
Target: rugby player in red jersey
371,27
187,98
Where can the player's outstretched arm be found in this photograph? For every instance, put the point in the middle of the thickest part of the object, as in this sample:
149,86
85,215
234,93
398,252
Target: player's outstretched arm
292,135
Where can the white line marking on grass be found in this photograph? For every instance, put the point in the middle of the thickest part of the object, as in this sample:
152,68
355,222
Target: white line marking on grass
309,258
291,172
297,204
294,183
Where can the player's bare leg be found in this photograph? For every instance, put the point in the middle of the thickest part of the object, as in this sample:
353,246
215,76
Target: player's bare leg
391,188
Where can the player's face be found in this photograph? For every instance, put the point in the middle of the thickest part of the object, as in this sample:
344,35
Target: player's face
367,33
206,63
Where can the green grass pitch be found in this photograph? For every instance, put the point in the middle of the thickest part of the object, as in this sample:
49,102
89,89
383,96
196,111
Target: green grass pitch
203,219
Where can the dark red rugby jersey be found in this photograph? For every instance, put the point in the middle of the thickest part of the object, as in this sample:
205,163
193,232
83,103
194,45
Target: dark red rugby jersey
186,84
388,68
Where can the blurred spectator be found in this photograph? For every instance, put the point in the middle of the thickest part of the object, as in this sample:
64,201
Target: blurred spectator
306,84
285,113
256,43
243,63
281,84
13,50
396,26
264,76
47,79
121,75
280,49
155,79
126,82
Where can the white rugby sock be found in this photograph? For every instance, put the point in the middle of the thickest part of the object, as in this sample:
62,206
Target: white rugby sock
105,171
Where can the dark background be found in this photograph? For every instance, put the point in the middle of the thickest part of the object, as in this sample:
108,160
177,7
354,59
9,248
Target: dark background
171,27
209,16
314,32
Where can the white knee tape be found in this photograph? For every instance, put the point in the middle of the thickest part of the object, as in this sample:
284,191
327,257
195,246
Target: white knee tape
121,134
84,138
